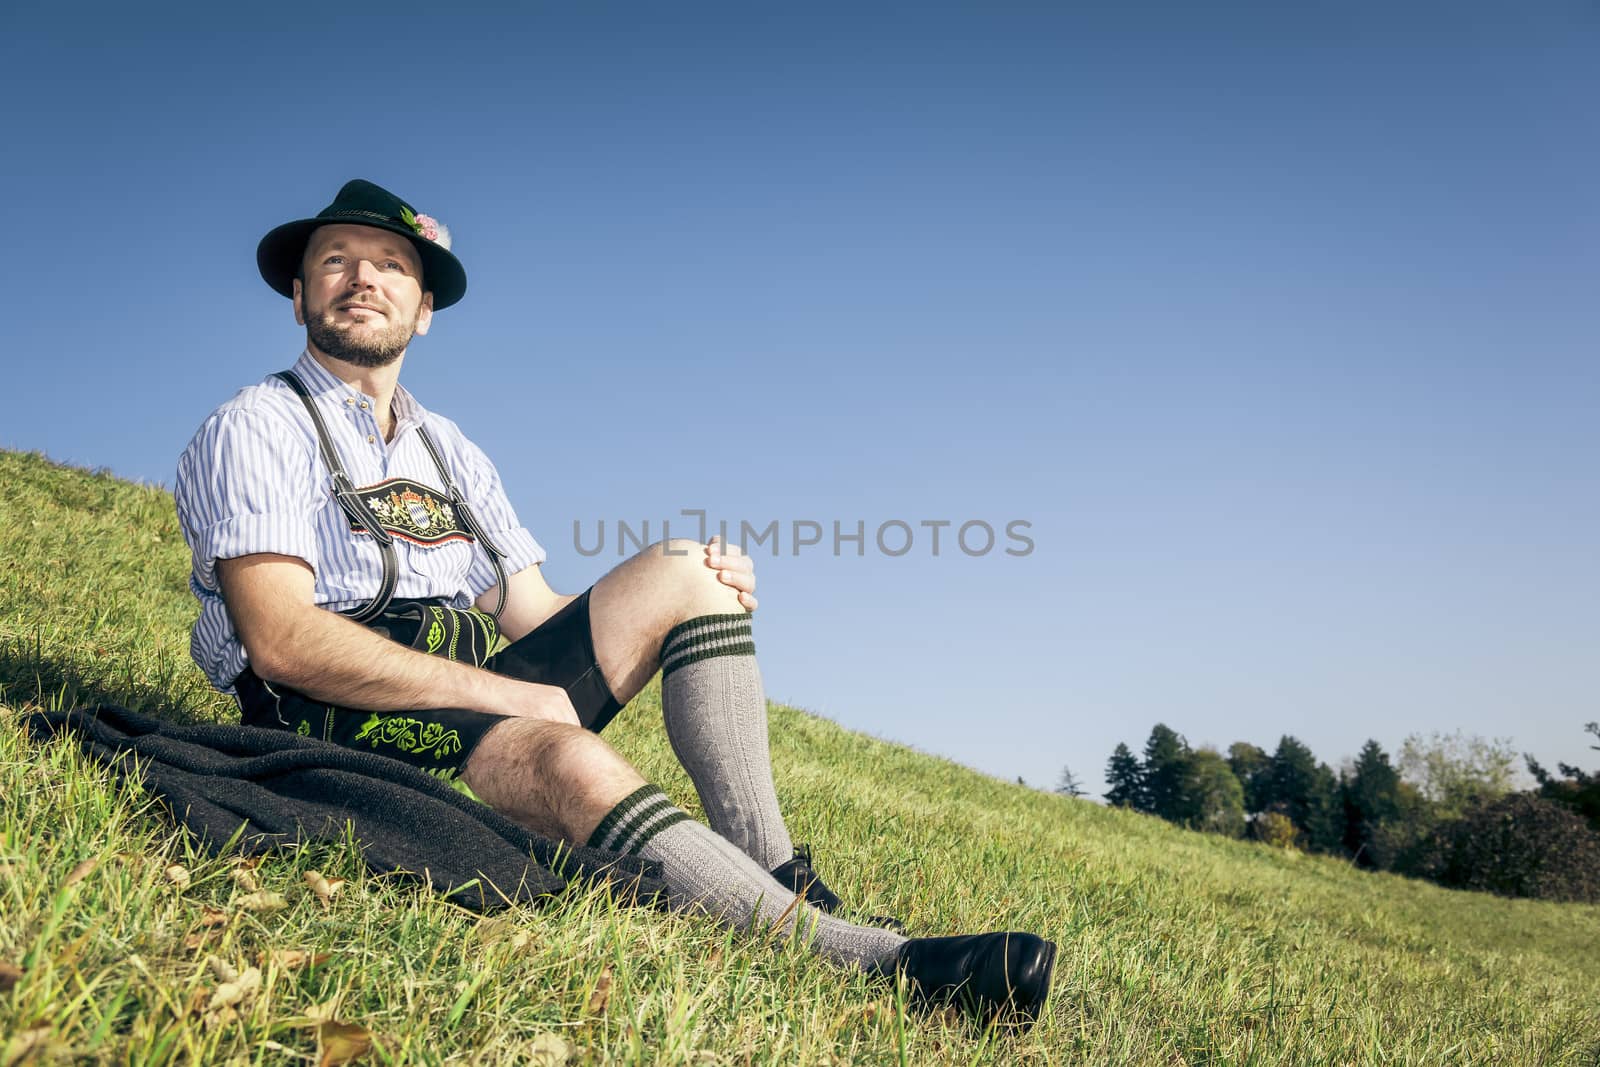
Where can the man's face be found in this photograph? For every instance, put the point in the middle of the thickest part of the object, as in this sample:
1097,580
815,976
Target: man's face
360,296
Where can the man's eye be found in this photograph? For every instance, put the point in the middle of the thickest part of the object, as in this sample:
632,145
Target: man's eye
391,264
333,260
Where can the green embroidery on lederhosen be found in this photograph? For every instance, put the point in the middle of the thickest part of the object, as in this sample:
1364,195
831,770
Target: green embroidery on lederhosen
410,735
458,634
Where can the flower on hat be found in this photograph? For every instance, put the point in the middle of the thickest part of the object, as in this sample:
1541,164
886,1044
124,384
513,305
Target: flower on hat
425,226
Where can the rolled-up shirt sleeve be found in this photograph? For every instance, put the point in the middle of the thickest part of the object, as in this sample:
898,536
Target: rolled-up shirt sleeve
498,519
246,485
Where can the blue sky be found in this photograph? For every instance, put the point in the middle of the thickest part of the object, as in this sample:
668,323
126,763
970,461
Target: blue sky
1275,323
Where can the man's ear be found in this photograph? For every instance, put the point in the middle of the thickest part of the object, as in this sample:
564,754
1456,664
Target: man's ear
299,301
425,313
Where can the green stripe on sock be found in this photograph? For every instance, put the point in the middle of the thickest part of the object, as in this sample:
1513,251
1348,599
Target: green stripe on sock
700,622
709,637
644,839
633,823
700,629
615,815
744,648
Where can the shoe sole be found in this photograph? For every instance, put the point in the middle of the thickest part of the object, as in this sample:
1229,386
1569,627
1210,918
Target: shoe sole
1028,999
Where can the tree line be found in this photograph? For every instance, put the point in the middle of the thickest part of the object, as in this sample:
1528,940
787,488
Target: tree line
1447,809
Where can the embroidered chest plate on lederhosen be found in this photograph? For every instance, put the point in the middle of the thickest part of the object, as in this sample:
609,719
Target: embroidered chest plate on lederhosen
413,512
400,507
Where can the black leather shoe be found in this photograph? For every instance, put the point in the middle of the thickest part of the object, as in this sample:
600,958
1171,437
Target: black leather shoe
798,876
988,974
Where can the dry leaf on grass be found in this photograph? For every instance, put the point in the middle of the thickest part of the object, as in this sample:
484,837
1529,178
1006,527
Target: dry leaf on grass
262,900
210,916
10,975
323,1013
221,969
502,931
27,1046
292,959
178,876
82,871
341,1042
602,992
237,991
226,1015
549,1050
245,879
324,888
199,939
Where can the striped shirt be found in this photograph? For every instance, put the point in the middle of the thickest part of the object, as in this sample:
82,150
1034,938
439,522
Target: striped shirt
252,480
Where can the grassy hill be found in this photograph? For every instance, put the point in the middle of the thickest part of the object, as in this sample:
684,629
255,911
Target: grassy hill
1176,948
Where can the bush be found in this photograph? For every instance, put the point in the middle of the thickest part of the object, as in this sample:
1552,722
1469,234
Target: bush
1517,846
1273,828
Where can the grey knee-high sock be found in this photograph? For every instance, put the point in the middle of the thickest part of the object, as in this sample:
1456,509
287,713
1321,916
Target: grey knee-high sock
706,872
716,717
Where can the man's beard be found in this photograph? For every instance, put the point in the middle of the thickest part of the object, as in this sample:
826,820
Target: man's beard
368,348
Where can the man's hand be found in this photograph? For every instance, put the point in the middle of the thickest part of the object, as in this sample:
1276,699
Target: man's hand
734,569
547,702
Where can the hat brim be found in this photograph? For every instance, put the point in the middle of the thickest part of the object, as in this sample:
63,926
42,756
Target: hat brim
279,254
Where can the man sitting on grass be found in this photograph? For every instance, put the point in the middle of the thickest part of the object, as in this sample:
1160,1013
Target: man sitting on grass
363,579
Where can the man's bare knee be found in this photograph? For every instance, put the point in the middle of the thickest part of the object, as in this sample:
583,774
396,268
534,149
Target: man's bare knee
692,586
632,609
555,778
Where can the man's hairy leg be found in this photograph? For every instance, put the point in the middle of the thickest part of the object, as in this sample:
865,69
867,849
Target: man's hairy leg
557,779
567,784
665,609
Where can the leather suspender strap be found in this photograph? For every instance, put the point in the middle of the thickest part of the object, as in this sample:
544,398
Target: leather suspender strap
350,501
495,553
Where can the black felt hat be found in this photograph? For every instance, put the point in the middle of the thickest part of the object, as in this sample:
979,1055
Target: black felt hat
362,203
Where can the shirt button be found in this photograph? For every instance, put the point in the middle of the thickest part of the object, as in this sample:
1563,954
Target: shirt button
363,405
371,439
349,400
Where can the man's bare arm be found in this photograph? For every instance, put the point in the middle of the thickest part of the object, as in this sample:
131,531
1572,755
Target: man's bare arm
529,602
291,641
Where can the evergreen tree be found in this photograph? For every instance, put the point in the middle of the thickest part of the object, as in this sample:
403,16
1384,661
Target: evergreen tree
1371,801
1324,812
1289,781
1166,772
1308,793
1126,779
1069,785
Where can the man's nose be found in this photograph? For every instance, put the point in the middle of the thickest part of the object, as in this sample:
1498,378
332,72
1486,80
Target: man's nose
365,275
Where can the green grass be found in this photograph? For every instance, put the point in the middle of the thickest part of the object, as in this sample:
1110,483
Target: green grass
1176,948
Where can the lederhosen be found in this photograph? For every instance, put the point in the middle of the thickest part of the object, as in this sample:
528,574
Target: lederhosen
439,740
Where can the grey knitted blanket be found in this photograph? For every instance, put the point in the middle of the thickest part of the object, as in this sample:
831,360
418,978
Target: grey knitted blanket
275,789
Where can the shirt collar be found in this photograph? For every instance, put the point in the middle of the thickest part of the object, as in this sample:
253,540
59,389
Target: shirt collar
322,383
318,379
407,412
